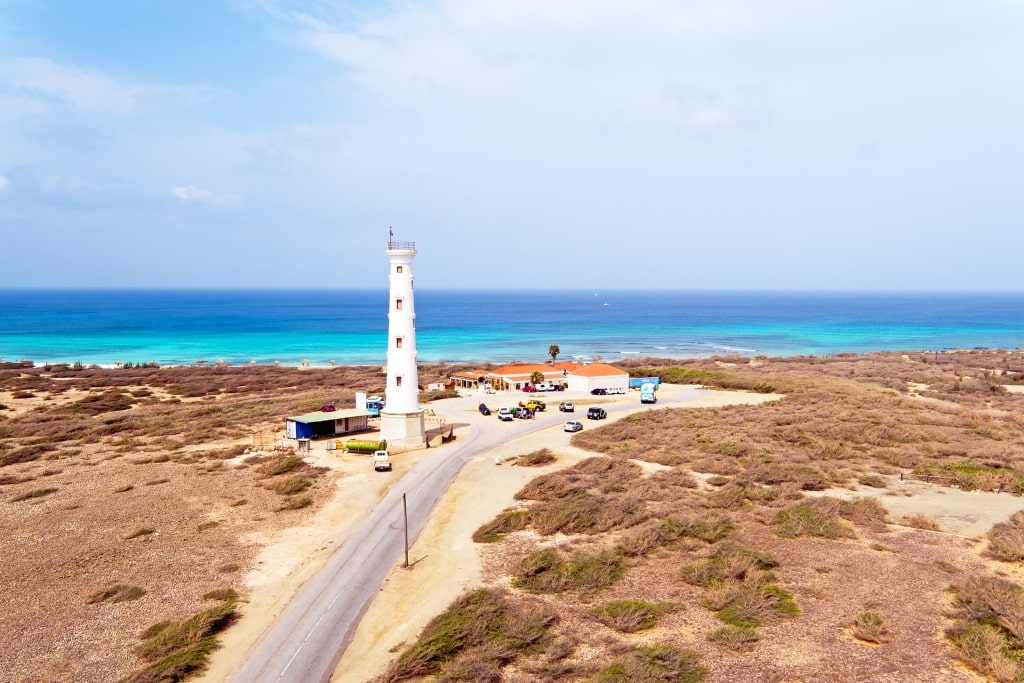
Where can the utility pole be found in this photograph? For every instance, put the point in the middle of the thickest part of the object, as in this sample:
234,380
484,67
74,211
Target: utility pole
405,515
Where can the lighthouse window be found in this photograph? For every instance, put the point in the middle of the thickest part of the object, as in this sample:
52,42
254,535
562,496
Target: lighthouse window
398,342
398,269
398,304
398,380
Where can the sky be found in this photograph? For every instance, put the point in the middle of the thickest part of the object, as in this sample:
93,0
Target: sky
649,144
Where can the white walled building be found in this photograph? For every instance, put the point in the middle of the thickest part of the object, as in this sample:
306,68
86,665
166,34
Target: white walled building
401,421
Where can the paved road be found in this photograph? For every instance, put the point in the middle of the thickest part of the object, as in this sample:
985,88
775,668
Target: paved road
306,641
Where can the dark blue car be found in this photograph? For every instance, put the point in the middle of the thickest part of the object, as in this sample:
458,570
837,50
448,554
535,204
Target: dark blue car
484,410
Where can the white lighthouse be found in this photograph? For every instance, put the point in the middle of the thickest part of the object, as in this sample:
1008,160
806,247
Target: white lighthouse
401,421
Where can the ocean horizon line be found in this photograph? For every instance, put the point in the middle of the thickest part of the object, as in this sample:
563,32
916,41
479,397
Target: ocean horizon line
639,290
350,326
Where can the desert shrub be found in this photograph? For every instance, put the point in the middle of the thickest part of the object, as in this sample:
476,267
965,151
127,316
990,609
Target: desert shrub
988,628
479,630
920,521
698,525
294,503
735,638
817,517
655,664
871,628
729,497
117,592
505,523
29,453
176,650
638,542
867,513
221,594
808,478
288,486
546,571
552,486
1006,539
586,513
985,648
756,605
628,616
873,480
536,459
141,531
207,525
34,493
281,464
106,402
729,563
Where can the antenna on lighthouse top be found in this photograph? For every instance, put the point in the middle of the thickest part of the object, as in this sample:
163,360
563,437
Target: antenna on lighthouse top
391,236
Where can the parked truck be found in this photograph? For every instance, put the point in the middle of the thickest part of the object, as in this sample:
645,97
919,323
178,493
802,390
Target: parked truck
648,393
374,405
381,461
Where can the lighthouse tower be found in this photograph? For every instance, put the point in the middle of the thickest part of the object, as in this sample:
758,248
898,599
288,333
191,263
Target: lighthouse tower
401,421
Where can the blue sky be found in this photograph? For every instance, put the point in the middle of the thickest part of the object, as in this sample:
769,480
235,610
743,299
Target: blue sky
681,144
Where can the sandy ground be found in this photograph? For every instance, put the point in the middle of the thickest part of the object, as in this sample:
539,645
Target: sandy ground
444,560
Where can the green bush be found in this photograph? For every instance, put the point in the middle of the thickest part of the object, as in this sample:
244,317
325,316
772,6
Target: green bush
812,518
280,465
735,638
871,628
656,664
480,629
505,523
628,616
546,572
176,650
1006,539
536,459
288,486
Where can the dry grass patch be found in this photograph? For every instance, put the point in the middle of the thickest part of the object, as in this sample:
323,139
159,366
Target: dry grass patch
988,629
1006,539
506,522
654,664
141,531
827,517
34,493
920,521
871,628
536,459
176,650
629,616
474,639
547,571
117,592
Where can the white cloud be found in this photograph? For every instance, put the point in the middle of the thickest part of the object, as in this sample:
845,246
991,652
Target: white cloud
4,183
42,83
191,193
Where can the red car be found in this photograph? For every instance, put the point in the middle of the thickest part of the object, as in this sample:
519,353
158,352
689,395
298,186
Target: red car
529,388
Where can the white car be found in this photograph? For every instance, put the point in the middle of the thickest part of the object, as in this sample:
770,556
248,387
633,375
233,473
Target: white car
505,414
573,426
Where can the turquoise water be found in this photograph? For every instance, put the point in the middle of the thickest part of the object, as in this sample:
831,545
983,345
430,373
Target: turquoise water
350,326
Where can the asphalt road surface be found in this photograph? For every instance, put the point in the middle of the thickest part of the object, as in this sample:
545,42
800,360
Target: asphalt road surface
306,641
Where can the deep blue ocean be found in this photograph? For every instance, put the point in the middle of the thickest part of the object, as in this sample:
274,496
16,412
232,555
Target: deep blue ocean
350,326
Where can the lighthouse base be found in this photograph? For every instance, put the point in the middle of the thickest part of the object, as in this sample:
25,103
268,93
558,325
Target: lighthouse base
403,431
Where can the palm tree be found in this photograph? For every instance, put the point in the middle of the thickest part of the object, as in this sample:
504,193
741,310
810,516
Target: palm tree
553,351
